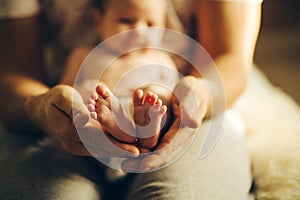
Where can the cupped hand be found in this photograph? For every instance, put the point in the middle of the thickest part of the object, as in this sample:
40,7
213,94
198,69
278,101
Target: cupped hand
190,104
60,112
172,145
191,101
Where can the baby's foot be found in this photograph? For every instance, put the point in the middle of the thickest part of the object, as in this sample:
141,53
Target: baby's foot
147,114
106,108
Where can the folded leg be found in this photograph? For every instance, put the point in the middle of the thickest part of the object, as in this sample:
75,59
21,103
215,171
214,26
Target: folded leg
32,168
223,174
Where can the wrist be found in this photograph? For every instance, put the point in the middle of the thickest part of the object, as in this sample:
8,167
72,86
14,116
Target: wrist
33,108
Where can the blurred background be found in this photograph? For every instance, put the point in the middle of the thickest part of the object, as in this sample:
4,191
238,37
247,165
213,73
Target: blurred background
278,48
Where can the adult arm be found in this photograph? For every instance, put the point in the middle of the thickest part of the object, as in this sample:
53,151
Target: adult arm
29,105
21,77
228,32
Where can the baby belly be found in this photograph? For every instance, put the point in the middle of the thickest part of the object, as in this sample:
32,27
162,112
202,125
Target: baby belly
141,77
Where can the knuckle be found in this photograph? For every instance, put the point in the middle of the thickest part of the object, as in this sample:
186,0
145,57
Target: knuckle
62,99
192,123
196,124
63,92
63,96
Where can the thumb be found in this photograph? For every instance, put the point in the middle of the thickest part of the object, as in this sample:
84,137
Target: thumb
80,119
80,111
189,113
69,101
185,105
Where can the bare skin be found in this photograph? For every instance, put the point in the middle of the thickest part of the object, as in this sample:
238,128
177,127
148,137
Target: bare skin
123,16
148,112
107,109
22,79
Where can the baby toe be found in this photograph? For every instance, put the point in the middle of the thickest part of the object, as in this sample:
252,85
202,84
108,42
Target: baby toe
138,97
91,107
91,101
94,97
150,98
94,115
103,91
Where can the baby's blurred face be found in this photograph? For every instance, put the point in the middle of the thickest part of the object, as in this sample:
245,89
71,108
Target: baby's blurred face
125,15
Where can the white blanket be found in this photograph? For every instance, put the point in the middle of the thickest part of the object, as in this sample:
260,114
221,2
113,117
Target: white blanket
272,120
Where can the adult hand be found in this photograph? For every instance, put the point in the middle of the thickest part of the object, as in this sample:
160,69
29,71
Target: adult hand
191,101
54,111
190,105
172,145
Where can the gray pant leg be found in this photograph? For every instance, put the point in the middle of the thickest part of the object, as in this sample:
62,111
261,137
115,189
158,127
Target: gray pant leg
38,169
223,175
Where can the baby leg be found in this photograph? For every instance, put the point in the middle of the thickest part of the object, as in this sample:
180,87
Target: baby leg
148,112
106,108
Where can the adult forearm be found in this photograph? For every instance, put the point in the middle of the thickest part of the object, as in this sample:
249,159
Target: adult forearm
234,73
224,79
228,32
16,92
19,70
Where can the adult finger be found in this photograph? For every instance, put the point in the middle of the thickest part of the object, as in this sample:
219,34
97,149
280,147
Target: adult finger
172,146
185,104
77,148
70,102
60,126
131,165
94,136
80,111
151,160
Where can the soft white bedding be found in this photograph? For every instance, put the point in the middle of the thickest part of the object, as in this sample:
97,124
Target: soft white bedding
272,120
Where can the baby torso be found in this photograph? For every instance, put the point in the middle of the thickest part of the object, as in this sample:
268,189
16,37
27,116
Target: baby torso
139,69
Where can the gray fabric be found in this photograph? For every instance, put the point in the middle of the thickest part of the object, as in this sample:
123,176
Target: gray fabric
33,168
38,169
223,175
